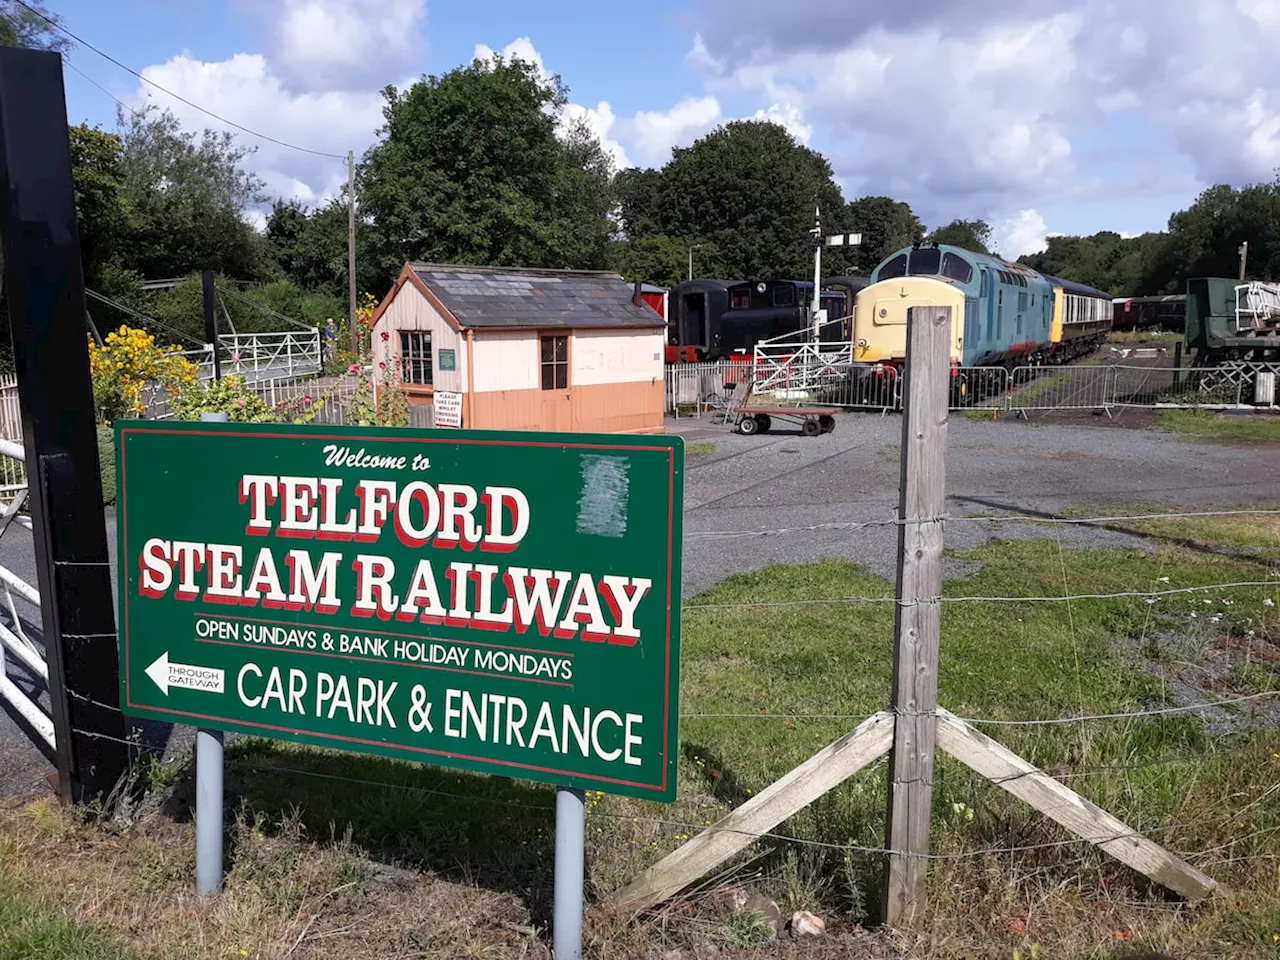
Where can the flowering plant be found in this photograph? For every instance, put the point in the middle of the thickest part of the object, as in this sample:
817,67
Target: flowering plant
126,362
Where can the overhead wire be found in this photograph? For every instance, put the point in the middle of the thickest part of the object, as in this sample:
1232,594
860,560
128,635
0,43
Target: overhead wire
181,99
142,317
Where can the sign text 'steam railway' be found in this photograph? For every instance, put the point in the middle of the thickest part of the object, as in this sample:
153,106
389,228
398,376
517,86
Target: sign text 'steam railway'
498,602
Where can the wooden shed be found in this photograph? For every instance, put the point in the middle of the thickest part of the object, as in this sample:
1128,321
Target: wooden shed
507,348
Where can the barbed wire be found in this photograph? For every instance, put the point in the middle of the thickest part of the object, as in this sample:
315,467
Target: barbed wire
976,721
916,601
715,535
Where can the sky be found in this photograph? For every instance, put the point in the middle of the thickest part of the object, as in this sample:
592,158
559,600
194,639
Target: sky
1040,116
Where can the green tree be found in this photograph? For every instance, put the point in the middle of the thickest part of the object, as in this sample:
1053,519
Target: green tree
1206,237
30,25
663,260
972,235
102,208
471,168
311,248
748,188
886,225
638,201
189,195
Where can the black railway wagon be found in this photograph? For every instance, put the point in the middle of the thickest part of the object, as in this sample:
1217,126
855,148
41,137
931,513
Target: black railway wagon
1143,313
695,308
764,309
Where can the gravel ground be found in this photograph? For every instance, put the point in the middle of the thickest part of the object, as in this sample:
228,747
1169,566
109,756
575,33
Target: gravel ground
776,487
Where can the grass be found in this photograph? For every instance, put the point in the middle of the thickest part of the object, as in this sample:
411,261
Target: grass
471,877
33,928
699,449
1157,337
1245,429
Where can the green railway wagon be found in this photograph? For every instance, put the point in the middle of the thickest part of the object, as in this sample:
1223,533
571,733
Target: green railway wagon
1219,332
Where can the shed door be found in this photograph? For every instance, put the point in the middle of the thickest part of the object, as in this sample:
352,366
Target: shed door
553,370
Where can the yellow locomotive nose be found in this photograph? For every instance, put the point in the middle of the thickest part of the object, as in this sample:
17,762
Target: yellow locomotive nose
880,315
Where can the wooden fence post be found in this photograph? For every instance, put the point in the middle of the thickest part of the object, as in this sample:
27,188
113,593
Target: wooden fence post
921,503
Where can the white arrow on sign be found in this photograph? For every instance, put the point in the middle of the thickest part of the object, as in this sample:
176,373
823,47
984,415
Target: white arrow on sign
168,674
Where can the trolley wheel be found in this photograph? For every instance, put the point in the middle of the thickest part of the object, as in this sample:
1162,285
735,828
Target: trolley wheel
810,428
763,422
747,426
827,423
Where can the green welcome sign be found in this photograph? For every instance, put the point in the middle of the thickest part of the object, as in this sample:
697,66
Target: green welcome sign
498,602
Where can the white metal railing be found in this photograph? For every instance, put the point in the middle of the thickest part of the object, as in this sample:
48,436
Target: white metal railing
1257,306
270,356
16,643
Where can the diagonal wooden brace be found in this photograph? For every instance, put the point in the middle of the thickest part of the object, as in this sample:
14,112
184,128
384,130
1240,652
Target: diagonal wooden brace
1063,805
826,769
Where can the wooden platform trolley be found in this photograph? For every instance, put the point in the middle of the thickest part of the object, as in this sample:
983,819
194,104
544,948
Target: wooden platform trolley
751,418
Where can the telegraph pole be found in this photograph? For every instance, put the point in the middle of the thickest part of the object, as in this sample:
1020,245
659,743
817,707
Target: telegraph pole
351,250
1244,257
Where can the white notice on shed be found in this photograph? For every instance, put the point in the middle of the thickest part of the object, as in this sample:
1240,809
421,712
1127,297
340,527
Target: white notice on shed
448,409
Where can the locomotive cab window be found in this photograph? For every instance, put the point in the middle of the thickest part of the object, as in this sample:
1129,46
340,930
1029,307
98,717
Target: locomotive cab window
957,268
740,300
784,296
897,267
925,262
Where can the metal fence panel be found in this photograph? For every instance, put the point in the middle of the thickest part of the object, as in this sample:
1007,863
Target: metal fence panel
1061,388
979,388
1136,386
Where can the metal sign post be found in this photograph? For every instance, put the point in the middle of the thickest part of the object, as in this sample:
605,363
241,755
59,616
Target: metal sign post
570,873
209,768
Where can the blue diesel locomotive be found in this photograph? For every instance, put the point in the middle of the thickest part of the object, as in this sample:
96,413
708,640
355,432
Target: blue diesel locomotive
1005,314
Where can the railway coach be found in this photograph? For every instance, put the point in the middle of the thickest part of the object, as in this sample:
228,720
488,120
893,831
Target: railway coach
1082,318
1002,311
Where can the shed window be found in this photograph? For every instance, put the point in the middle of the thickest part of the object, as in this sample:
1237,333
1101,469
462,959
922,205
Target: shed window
415,356
555,362
897,267
957,268
925,261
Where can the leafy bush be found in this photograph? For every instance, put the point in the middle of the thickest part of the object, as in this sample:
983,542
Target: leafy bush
228,395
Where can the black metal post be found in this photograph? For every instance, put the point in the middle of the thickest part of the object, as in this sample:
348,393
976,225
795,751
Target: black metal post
45,287
211,320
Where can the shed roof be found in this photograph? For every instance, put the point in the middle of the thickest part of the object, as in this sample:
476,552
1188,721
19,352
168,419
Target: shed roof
525,297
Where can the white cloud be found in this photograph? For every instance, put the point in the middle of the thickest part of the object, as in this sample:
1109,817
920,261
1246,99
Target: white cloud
521,48
1021,234
600,120
655,132
245,89
789,116
346,44
965,107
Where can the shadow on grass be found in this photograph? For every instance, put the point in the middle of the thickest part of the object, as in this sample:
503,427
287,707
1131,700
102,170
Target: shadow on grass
486,831
1186,543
